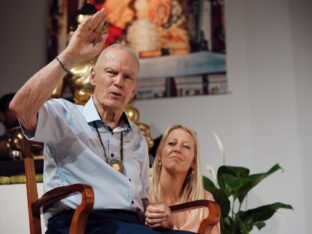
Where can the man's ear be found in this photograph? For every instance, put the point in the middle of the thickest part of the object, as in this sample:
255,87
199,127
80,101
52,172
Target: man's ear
92,77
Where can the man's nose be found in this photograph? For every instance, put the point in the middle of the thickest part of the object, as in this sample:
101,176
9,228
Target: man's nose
119,80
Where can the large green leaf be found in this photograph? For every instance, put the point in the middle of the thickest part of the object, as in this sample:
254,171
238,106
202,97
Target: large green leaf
208,184
237,182
227,225
231,184
259,225
219,196
261,213
229,178
232,170
242,227
253,180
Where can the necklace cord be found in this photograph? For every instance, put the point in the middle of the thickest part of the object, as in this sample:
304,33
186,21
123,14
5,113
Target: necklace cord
100,138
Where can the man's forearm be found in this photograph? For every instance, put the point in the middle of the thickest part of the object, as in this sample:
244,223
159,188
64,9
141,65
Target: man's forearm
85,43
35,92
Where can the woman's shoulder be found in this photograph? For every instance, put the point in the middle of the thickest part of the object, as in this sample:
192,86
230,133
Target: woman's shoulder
208,195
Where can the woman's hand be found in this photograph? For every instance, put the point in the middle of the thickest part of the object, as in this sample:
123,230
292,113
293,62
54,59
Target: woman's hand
158,215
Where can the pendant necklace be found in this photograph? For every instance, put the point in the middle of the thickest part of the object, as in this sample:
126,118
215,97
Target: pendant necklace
114,163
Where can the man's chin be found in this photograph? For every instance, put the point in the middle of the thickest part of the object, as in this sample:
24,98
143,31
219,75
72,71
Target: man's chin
114,106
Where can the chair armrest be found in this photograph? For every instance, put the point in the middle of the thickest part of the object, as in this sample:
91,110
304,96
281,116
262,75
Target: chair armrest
213,207
81,213
55,195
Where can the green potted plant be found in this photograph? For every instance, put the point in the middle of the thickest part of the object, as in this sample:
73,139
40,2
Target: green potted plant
232,186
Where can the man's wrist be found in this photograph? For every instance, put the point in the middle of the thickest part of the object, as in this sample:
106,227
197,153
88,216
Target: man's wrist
63,65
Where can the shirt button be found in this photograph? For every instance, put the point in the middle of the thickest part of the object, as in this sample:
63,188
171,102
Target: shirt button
129,179
112,154
132,202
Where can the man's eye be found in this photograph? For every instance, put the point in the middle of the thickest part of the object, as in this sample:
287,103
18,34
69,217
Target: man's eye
111,72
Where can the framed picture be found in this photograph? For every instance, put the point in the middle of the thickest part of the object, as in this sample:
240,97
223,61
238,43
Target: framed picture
181,43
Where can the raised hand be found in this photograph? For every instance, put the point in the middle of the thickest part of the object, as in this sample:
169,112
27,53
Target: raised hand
85,44
87,41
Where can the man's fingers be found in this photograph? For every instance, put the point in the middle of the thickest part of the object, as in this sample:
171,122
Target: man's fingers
95,22
155,215
155,220
101,37
99,26
98,20
153,225
156,209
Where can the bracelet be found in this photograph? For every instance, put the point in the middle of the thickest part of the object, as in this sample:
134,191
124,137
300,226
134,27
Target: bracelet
62,65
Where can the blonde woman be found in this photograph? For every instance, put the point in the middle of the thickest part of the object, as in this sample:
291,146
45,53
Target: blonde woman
176,178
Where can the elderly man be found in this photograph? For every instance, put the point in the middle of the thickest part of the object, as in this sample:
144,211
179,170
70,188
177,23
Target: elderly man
87,144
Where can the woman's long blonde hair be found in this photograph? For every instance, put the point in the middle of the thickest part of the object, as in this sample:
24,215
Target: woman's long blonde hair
192,188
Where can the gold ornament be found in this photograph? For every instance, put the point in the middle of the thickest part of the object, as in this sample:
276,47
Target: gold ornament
134,115
79,83
117,165
14,145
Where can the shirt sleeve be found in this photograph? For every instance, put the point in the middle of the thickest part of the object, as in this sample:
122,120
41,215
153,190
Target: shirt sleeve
52,124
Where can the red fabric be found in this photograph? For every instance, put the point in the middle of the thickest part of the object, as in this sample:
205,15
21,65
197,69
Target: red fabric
114,35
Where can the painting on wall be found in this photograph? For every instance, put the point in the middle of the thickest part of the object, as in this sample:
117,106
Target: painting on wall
180,43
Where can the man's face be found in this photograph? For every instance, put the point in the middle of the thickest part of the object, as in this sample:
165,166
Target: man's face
115,79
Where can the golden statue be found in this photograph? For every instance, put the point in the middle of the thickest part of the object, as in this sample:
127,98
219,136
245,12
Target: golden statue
14,143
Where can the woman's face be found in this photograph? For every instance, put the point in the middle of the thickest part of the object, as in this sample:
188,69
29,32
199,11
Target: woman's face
178,154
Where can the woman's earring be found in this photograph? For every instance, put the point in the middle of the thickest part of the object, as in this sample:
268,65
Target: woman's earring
159,162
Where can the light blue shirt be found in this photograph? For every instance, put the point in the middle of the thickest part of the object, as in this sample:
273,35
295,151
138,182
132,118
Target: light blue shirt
73,154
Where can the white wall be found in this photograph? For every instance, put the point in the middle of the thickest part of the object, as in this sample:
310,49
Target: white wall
274,108
302,54
22,42
14,212
264,119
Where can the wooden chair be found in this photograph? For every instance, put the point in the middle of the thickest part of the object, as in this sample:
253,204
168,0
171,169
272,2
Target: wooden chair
36,205
213,217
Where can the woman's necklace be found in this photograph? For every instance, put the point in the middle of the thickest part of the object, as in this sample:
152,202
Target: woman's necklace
114,163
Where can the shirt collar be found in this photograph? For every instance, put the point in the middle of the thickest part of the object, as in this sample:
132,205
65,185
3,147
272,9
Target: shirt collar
91,115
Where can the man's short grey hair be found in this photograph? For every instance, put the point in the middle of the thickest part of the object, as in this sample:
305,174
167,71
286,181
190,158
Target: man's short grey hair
122,47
